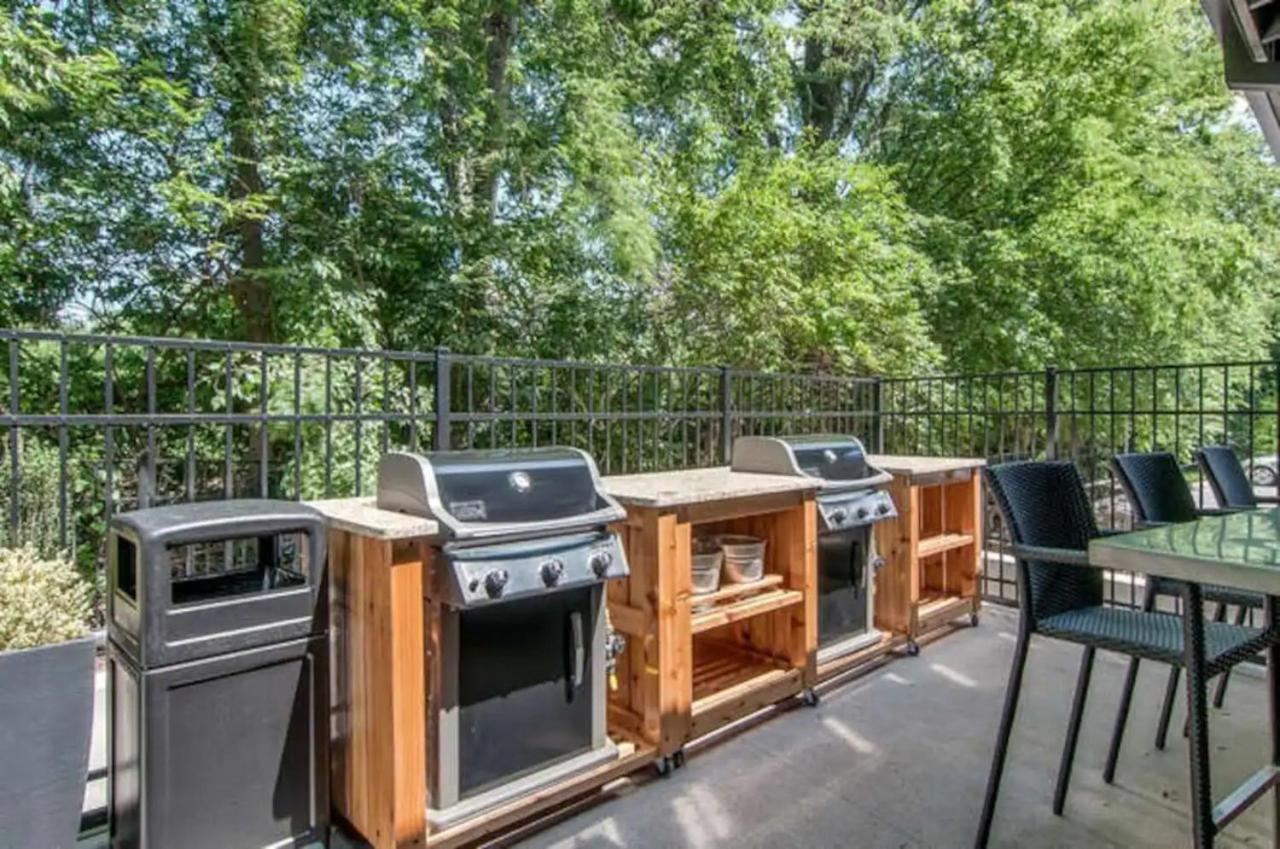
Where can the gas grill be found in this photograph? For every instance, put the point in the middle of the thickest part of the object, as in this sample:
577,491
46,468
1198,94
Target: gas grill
518,582
850,502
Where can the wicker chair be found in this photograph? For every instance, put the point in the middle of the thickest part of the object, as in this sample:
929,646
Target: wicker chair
1051,522
1159,495
1226,476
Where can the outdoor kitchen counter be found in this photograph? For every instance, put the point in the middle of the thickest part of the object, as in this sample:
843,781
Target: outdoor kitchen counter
699,486
694,663
933,548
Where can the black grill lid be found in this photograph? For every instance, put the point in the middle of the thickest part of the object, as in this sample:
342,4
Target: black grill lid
838,459
485,493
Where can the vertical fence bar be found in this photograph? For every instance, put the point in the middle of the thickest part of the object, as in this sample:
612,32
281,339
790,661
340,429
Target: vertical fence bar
726,414
1051,412
108,436
15,441
877,413
64,446
443,400
297,426
191,428
359,419
147,485
264,431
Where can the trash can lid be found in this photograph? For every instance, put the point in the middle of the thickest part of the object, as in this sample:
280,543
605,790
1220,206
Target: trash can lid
202,521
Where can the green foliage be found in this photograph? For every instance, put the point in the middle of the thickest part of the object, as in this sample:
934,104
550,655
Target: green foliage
37,502
42,600
861,185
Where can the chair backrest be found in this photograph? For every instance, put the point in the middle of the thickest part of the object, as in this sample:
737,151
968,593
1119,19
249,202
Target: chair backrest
1226,476
1044,504
1155,486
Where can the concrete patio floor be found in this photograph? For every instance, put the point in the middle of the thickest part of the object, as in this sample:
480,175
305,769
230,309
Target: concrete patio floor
899,758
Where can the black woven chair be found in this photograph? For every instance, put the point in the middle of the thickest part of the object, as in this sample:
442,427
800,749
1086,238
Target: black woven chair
1159,495
1051,522
1226,476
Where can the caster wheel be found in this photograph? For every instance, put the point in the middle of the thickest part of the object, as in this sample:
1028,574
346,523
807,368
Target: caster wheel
913,649
664,766
810,698
974,619
677,759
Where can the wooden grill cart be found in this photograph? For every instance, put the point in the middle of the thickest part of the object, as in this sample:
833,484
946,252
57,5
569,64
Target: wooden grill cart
384,658
933,549
688,671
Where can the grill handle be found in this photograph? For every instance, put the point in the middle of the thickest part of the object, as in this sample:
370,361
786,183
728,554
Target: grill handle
578,650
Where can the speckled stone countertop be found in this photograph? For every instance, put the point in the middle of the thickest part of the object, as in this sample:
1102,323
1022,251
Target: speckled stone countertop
696,486
362,516
913,467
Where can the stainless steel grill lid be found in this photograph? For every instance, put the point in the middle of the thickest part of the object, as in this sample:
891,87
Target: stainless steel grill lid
480,494
838,461
850,494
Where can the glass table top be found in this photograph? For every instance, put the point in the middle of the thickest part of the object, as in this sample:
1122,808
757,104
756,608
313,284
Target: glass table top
1240,550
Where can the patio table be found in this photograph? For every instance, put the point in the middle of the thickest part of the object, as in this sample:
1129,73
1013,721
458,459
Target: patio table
1242,551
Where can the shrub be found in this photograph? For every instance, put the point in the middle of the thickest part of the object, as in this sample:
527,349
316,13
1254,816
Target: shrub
42,600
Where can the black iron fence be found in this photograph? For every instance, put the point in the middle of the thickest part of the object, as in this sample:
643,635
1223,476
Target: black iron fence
1087,415
93,424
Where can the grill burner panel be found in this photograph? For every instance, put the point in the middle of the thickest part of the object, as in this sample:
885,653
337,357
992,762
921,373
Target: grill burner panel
479,575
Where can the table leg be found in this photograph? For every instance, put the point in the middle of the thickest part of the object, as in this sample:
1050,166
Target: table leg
1271,613
1197,709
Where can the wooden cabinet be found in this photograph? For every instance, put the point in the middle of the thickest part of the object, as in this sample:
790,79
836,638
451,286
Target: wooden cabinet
694,663
933,549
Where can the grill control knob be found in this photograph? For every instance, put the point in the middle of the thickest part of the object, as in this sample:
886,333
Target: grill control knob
495,581
600,563
551,572
837,517
882,508
862,512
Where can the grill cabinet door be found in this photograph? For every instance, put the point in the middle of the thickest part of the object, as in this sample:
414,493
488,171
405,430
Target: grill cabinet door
842,584
525,685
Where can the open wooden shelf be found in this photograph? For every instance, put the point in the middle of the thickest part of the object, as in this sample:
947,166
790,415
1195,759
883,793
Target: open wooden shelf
933,607
746,608
731,682
941,543
733,591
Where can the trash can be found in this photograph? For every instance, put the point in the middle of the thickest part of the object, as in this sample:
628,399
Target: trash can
218,676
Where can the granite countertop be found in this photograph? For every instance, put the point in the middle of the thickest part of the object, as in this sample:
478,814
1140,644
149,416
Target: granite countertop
362,516
910,466
696,486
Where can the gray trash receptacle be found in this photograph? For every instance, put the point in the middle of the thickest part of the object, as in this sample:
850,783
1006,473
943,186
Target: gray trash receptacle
218,676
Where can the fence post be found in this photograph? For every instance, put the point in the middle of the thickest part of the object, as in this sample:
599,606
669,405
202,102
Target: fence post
877,413
1051,412
443,400
726,414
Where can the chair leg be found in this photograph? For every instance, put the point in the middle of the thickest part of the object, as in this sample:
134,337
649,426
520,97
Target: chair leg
1073,730
1220,693
1166,709
1122,718
1002,739
1126,699
1271,621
